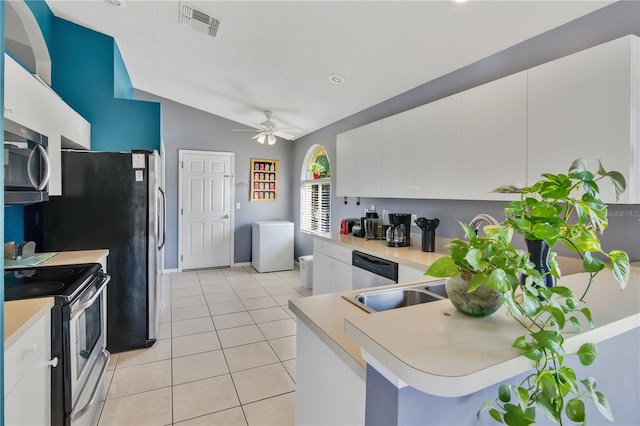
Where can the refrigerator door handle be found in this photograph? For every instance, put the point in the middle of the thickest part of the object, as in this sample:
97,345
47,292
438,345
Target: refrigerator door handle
162,222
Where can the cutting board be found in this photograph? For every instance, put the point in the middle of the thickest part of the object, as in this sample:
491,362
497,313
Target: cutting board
33,260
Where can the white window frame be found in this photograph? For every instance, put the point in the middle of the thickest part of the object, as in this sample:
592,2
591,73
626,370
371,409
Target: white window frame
315,203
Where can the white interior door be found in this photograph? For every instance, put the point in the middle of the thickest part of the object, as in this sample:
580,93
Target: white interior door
205,209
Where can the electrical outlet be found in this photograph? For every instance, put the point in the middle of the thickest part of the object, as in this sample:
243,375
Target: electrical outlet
413,218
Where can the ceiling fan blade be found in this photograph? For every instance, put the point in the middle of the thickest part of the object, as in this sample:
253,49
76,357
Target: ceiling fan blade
258,135
246,130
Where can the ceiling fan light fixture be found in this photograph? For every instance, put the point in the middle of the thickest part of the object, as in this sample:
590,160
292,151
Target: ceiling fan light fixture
272,139
261,138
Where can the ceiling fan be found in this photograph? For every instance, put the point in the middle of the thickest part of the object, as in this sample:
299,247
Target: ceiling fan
267,130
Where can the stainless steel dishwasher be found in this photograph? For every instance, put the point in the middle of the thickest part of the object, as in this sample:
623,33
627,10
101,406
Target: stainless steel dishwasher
371,271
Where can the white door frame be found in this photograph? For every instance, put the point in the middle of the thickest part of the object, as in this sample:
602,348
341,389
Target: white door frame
232,203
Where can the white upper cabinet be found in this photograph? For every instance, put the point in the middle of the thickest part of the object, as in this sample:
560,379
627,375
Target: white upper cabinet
30,103
399,137
437,154
493,142
586,105
358,159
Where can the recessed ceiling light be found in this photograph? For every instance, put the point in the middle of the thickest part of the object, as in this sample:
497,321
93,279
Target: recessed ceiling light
116,3
458,1
336,79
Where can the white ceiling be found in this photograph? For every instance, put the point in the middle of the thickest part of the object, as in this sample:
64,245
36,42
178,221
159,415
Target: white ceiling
277,55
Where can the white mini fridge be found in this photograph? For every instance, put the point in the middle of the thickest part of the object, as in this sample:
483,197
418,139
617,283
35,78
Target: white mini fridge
272,246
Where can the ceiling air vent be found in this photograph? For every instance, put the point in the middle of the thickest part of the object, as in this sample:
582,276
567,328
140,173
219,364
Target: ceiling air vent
198,20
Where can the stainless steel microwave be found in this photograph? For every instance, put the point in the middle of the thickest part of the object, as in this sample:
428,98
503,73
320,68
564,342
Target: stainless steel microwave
26,165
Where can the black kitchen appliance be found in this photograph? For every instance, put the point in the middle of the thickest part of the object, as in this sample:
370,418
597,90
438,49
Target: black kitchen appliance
428,227
112,200
399,231
26,165
78,329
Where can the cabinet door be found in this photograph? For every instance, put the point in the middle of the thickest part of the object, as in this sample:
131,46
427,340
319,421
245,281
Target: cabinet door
346,163
493,149
321,273
28,376
369,158
341,276
586,106
437,151
400,133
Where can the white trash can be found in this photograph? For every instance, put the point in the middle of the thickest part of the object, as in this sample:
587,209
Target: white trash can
306,271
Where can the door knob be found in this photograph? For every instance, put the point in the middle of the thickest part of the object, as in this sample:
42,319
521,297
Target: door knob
226,216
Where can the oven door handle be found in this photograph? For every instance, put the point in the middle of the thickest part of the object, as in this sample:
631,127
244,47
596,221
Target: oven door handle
84,306
94,393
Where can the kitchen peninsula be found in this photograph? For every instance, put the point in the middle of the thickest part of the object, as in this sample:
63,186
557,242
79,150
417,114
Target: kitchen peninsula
432,363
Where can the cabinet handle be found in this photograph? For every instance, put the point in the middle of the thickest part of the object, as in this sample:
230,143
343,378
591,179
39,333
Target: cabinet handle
53,362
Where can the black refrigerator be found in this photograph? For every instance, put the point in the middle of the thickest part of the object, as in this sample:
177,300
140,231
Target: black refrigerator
112,200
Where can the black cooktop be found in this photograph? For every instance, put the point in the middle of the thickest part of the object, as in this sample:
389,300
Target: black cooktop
58,281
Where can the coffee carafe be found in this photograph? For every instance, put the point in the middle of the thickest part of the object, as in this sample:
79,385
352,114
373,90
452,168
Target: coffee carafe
399,231
428,227
371,225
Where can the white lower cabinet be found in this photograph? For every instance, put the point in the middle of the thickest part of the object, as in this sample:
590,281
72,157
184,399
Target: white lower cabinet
331,267
28,376
330,389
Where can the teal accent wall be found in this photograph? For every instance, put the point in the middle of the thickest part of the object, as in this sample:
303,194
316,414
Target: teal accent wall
122,87
14,220
87,69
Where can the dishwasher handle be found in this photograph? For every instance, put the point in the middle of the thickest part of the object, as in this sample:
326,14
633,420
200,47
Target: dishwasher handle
375,265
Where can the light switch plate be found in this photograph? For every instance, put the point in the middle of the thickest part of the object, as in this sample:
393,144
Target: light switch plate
137,161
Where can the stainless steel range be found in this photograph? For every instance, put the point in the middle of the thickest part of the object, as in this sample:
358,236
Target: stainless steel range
78,333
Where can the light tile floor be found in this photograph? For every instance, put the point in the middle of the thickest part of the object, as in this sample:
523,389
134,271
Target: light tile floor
226,354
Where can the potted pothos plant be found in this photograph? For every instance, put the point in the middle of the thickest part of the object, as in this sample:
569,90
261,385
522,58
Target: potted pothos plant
317,170
559,208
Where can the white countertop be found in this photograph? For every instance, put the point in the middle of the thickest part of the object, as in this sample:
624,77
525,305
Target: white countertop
438,350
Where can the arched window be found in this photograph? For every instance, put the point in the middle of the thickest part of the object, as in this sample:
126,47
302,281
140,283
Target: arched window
315,191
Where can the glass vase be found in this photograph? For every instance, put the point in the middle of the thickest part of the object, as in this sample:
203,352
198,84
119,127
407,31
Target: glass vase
481,302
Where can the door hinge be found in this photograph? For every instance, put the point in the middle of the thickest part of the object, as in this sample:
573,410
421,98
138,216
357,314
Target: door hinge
181,258
181,211
182,164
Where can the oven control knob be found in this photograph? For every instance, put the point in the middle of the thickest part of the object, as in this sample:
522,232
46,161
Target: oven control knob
53,362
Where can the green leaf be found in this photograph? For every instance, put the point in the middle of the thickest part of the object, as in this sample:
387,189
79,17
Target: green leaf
562,291
576,323
507,189
476,281
514,416
550,340
590,384
520,343
548,386
591,264
619,183
548,408
523,397
575,410
488,404
587,353
443,267
474,258
557,315
587,314
620,267
504,393
578,165
603,405
569,380
531,305
498,280
496,415
544,231
534,354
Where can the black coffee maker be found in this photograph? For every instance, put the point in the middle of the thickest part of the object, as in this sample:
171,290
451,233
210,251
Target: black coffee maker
399,231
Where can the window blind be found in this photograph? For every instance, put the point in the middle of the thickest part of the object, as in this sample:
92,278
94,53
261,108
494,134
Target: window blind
315,206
